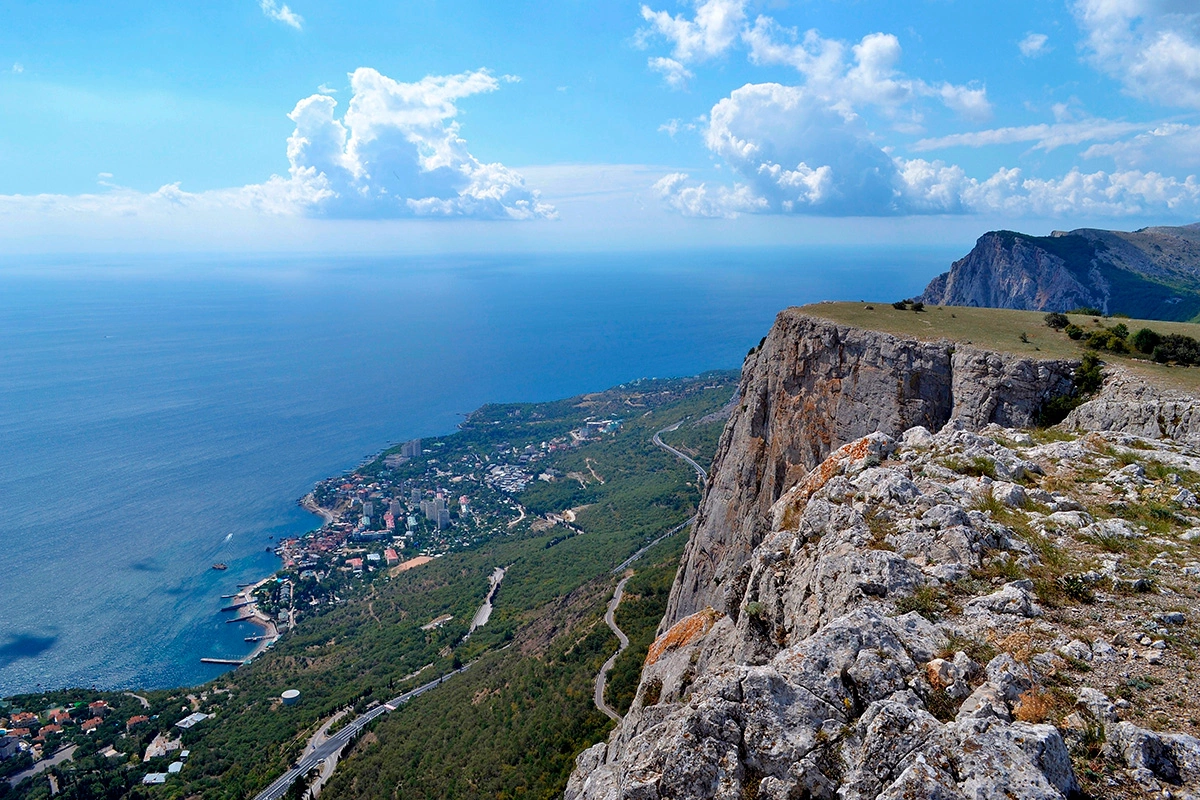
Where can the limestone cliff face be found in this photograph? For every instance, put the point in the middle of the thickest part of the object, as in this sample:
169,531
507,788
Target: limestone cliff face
1009,272
813,386
1151,273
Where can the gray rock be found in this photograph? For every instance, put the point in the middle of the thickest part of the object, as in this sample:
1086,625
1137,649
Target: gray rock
917,436
1008,677
1014,598
985,701
1010,494
815,386
1097,704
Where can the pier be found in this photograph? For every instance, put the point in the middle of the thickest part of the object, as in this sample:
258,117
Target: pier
237,662
236,606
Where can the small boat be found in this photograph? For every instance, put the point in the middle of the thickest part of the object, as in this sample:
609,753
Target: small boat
219,565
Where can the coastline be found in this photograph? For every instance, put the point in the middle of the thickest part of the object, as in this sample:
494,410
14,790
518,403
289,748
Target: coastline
249,612
247,607
309,504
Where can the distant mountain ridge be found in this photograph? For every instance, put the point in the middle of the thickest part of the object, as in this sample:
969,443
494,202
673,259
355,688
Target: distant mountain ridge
1152,273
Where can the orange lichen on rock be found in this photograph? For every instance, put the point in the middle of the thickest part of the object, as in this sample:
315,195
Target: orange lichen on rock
797,497
684,632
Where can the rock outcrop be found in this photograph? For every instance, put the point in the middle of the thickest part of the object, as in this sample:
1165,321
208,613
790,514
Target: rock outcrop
1152,273
884,594
1129,404
813,386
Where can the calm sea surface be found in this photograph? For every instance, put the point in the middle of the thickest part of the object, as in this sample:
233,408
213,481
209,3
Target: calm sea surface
159,415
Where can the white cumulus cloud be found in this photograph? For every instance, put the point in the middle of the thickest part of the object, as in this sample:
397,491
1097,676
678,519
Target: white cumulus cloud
866,73
793,153
715,28
1151,46
1034,45
281,13
396,152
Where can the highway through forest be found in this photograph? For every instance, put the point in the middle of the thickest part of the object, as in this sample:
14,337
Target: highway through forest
657,439
337,741
602,678
619,592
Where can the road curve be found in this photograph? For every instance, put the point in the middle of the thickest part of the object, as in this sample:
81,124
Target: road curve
337,741
602,678
657,439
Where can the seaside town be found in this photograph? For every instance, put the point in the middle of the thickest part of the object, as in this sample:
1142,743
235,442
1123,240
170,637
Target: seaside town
410,505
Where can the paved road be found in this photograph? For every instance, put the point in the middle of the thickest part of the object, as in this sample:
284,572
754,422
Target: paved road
657,439
45,764
602,678
624,565
337,741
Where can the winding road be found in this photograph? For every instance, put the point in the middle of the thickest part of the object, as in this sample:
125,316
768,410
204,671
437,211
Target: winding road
619,592
602,678
657,439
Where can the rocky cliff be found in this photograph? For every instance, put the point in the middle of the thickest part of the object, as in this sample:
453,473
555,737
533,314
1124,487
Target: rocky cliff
868,609
1153,273
813,386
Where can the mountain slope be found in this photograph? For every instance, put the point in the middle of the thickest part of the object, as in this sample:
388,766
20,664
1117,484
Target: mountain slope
1152,273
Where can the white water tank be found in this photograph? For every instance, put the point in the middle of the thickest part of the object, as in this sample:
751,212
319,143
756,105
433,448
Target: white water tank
290,697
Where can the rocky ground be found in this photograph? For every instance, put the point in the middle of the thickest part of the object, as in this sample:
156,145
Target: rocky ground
947,615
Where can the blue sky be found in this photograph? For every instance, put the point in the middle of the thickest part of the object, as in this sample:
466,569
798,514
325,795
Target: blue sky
436,125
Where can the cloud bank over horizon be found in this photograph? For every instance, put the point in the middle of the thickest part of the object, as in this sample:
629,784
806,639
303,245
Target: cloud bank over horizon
396,153
819,147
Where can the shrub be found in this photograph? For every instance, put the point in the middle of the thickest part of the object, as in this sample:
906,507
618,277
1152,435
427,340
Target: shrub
1034,706
900,305
1073,331
1088,378
1087,311
1181,350
1145,340
754,610
1076,588
1120,330
918,305
1057,321
926,601
1107,339
977,467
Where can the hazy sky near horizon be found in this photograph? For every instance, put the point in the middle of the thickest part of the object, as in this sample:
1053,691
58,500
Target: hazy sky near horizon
308,125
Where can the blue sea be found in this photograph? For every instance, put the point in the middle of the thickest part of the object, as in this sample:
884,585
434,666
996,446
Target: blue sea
160,414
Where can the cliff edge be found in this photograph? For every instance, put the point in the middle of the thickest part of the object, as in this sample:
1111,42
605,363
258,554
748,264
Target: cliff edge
811,387
893,591
1152,273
